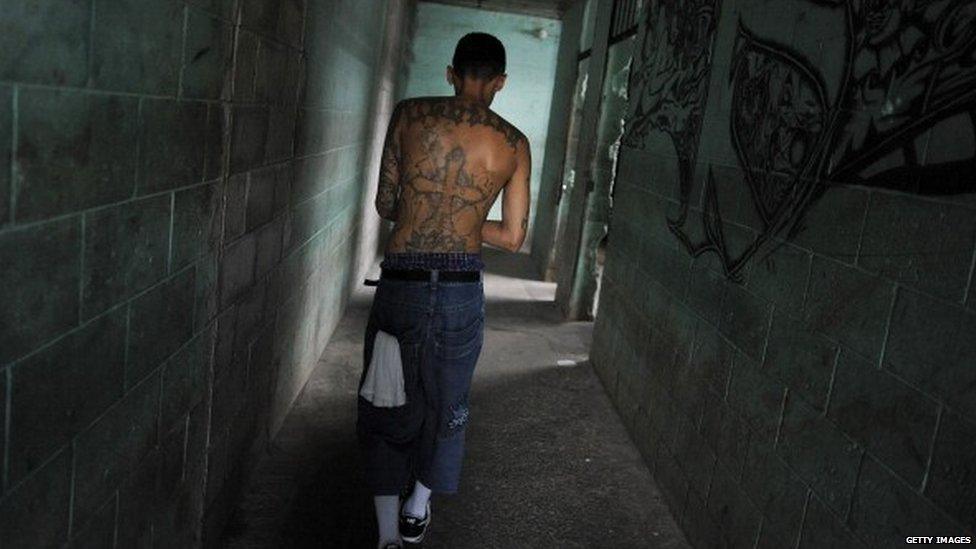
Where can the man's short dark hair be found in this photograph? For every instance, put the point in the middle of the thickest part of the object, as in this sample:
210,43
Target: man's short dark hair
479,55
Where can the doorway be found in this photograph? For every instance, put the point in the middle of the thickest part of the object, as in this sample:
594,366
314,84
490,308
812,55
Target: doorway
584,213
565,188
599,204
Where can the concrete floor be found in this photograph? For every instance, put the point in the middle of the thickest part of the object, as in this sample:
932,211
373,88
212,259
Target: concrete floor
548,463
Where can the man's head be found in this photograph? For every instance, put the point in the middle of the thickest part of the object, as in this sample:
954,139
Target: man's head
478,67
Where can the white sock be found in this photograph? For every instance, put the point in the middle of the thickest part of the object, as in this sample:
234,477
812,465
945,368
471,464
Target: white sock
416,505
387,519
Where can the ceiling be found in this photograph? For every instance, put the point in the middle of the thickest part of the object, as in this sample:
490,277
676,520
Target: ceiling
553,9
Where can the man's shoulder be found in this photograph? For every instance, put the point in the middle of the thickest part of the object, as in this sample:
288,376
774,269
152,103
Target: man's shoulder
447,107
406,101
512,133
409,102
513,136
412,109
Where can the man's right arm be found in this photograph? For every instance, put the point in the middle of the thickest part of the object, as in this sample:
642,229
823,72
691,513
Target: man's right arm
388,193
509,233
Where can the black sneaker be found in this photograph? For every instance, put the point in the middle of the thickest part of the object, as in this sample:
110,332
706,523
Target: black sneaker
392,546
413,529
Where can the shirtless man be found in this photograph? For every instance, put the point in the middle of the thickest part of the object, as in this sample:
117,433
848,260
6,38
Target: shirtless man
445,160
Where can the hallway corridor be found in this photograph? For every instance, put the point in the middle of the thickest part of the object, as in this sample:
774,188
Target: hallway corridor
548,464
747,320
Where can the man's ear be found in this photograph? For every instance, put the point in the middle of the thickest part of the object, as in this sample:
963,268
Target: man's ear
451,77
500,82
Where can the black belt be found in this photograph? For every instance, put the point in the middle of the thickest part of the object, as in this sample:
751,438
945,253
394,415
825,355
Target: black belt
419,275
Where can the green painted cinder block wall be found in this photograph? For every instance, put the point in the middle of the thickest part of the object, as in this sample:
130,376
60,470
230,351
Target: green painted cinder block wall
525,100
181,187
811,387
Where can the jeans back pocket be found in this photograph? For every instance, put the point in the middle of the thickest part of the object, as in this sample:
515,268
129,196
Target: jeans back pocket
459,343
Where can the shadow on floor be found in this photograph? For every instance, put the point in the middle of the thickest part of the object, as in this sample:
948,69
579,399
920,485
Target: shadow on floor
548,463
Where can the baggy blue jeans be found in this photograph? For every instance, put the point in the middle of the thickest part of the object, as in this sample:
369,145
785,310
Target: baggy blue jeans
440,329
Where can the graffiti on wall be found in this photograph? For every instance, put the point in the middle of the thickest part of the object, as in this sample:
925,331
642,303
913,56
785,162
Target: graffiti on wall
669,81
901,116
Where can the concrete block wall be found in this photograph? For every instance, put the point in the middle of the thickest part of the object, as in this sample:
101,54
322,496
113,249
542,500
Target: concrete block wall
180,194
787,316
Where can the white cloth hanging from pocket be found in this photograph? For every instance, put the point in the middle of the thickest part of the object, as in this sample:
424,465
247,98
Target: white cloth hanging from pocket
383,385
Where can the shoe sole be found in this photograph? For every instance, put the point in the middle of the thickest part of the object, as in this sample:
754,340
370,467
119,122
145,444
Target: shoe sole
415,540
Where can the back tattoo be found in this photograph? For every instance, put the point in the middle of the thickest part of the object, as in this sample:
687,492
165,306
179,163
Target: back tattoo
444,162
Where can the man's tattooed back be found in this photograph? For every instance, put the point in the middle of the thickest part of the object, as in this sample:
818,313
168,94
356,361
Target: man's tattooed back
444,162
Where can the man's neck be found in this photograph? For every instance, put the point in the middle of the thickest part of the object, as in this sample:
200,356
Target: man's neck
474,96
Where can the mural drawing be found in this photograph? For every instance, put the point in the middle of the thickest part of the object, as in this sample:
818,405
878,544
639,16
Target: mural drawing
907,89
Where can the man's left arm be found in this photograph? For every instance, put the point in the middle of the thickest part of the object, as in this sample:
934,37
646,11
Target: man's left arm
509,233
388,192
